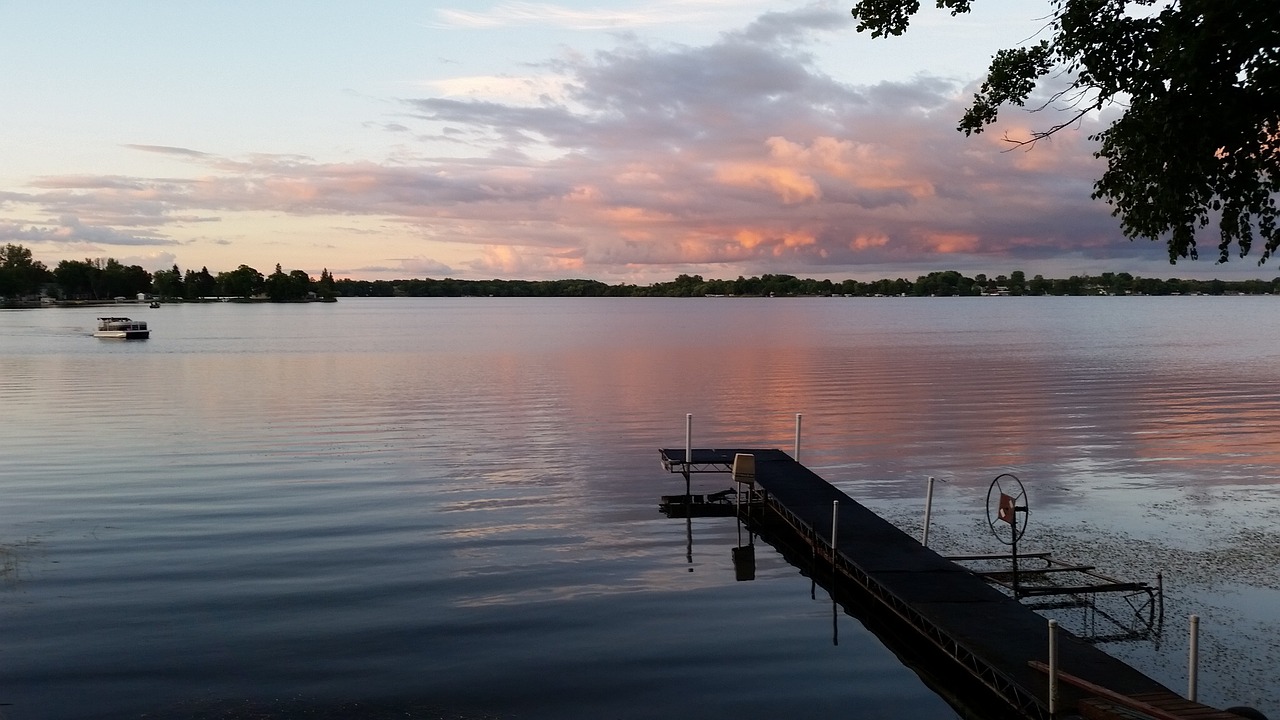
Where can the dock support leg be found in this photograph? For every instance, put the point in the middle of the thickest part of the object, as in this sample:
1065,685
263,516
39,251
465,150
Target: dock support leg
688,455
835,526
1017,592
1193,658
688,438
1160,597
928,511
835,577
1053,668
796,454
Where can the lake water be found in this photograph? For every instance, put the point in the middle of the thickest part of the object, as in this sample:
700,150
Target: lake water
446,508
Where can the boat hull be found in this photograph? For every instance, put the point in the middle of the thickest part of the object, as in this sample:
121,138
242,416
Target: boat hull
122,328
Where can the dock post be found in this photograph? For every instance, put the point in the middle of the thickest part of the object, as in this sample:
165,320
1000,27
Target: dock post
1053,668
1160,596
688,438
1017,593
928,510
688,456
1193,658
835,524
796,454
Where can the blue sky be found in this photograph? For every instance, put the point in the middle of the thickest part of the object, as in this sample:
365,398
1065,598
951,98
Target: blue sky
625,141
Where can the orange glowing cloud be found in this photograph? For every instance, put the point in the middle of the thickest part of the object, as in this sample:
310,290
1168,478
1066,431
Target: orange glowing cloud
794,240
867,242
952,242
861,164
635,215
838,157
791,186
511,259
502,257
748,238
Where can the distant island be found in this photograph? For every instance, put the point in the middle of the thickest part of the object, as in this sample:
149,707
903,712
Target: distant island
25,281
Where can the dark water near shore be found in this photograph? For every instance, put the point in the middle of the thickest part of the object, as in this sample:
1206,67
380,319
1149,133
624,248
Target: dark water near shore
449,506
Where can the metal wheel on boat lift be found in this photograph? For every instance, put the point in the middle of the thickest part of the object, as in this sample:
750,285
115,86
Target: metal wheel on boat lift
1007,508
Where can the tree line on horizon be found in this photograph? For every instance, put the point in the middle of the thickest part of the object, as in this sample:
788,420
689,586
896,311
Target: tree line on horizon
97,279
935,284
103,279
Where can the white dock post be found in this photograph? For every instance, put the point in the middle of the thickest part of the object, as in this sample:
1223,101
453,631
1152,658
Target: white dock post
1193,658
835,524
688,462
928,510
796,454
688,438
1053,668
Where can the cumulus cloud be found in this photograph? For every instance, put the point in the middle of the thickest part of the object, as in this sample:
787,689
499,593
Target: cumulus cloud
742,152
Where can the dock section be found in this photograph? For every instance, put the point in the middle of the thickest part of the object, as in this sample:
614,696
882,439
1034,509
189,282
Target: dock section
997,641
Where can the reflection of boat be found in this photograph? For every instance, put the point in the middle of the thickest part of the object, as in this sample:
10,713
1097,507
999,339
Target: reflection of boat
717,504
122,327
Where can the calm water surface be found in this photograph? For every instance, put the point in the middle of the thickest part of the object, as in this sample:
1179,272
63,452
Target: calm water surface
449,505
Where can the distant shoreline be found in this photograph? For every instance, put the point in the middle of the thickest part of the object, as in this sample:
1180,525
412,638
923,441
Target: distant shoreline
51,303
36,305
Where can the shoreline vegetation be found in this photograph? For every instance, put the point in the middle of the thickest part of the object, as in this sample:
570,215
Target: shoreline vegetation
25,282
947,283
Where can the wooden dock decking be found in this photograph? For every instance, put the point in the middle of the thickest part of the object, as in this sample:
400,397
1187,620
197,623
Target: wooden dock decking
992,636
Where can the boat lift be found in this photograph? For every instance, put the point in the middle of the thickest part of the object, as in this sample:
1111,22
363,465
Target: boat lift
1044,583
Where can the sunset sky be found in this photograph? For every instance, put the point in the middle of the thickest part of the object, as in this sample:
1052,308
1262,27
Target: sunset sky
619,140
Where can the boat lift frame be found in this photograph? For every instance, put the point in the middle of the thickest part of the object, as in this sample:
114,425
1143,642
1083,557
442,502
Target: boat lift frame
1149,610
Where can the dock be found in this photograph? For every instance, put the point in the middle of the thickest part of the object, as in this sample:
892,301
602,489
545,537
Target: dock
996,643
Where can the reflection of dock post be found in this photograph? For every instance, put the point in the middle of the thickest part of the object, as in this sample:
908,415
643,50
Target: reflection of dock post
744,562
1053,668
835,617
688,534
